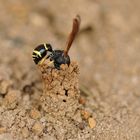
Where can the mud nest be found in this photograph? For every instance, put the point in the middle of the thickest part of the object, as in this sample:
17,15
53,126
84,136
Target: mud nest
57,113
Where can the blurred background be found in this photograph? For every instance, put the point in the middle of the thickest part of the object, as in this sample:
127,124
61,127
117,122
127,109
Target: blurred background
107,48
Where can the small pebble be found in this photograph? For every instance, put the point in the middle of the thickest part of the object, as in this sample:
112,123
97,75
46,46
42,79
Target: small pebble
85,114
81,125
64,66
82,100
35,114
37,128
91,122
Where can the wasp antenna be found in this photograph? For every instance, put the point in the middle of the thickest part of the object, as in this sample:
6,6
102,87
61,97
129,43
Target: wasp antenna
75,29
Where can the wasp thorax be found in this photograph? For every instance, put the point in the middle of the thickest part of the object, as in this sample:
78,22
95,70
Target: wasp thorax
58,58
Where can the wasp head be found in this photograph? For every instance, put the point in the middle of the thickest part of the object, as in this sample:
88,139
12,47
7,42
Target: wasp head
40,52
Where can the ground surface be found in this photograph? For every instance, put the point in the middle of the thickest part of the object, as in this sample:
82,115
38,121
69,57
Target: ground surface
107,50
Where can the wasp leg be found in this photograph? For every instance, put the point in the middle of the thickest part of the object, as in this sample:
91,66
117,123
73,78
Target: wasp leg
42,60
50,64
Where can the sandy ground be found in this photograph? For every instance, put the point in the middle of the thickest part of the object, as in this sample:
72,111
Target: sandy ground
107,50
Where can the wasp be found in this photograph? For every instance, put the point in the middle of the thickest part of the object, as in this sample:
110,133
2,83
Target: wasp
45,51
